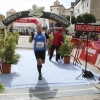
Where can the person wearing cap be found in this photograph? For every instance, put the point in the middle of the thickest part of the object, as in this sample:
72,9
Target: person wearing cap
56,42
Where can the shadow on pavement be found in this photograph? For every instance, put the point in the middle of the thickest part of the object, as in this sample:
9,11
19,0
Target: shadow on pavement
7,79
66,66
40,91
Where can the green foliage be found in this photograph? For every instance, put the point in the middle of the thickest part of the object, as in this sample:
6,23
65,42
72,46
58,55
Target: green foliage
1,85
49,44
1,40
99,36
1,88
15,34
79,19
66,47
68,18
86,18
7,49
73,19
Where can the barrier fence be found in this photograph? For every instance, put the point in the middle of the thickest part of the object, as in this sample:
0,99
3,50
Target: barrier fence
93,52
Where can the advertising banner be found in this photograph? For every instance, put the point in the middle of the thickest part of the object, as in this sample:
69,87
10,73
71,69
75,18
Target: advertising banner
92,53
26,20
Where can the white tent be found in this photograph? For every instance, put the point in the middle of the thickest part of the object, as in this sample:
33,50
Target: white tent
30,26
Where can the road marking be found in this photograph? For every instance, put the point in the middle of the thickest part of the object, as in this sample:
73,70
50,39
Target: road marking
22,93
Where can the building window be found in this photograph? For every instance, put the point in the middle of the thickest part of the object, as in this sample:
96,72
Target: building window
57,8
51,9
78,11
83,6
87,4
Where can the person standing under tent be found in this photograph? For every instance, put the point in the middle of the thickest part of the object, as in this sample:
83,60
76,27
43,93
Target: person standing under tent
39,38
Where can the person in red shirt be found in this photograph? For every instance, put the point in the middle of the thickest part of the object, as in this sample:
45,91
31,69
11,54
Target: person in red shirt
56,42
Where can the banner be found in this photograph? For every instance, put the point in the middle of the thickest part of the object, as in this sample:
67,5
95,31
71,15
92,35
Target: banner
92,53
26,20
36,12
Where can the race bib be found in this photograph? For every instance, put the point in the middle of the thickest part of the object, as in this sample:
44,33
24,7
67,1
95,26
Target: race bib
40,45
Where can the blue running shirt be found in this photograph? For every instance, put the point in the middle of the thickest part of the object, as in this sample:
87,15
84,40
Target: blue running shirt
39,41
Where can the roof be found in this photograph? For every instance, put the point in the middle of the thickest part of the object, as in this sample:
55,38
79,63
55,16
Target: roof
72,4
56,5
77,2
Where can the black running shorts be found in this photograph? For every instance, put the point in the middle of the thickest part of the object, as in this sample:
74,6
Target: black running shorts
40,54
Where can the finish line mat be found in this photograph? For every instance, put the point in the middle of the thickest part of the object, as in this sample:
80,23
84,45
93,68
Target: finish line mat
25,74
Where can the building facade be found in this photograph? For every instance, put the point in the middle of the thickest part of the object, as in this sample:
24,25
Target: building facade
81,7
87,6
59,9
2,17
8,13
95,9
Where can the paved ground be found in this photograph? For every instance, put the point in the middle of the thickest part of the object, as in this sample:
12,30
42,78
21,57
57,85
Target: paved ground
92,92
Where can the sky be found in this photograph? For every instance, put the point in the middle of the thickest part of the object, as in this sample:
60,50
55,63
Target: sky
21,5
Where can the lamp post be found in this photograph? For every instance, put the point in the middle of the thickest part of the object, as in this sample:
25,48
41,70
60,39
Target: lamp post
44,23
71,10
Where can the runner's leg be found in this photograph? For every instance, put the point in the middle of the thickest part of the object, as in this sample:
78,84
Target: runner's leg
39,63
43,53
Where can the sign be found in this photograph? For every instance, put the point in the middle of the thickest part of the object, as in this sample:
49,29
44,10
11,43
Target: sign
26,20
36,12
92,53
96,44
87,28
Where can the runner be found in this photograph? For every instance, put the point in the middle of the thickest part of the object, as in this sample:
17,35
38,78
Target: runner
39,38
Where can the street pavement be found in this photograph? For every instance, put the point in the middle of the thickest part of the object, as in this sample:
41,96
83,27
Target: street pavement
83,92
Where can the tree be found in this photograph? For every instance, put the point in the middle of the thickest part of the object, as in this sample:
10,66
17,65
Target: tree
79,19
68,18
73,19
86,18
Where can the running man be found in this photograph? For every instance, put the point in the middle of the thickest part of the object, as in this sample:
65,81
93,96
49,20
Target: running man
39,38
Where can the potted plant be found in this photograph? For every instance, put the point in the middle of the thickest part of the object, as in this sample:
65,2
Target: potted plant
1,85
15,34
65,49
7,52
49,44
49,48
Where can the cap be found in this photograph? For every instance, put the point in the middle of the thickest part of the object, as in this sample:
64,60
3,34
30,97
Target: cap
60,29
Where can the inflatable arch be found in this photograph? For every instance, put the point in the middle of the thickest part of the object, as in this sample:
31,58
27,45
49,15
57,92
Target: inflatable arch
35,12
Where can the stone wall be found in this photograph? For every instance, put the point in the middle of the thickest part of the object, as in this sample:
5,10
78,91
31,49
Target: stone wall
95,9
